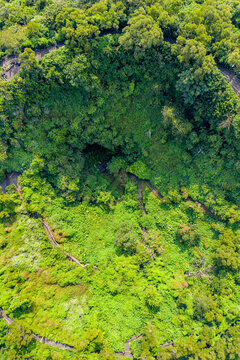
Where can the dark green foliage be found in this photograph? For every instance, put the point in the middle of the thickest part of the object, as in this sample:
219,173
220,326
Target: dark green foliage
18,340
126,238
227,252
135,89
152,298
8,204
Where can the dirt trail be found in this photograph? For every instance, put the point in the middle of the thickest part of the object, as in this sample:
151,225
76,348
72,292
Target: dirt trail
54,243
233,80
4,316
204,208
11,179
127,351
50,235
160,196
52,343
153,190
140,198
37,337
12,65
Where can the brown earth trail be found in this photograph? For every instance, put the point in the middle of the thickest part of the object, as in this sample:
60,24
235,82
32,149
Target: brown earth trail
50,235
160,196
54,243
37,337
11,65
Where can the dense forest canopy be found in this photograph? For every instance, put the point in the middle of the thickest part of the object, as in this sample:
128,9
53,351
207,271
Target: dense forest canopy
122,237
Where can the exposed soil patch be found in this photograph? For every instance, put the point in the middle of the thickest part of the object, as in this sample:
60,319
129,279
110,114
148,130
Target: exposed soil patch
11,179
12,65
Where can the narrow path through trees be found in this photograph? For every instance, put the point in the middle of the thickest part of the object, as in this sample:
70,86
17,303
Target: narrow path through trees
160,196
127,352
204,208
233,80
50,235
54,243
11,65
140,197
37,337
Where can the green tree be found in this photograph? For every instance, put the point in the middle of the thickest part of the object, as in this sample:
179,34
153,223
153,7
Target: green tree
11,39
126,238
149,343
193,53
188,234
73,23
106,14
8,204
152,298
227,252
141,34
173,119
18,340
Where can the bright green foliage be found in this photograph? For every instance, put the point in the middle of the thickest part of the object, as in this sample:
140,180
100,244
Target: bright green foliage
227,252
135,89
175,122
18,340
126,238
142,33
8,204
152,298
193,53
10,39
188,234
107,15
74,25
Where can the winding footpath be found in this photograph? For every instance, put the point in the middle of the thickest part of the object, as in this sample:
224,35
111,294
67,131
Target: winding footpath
155,192
37,337
233,80
160,197
50,235
54,243
11,65
127,352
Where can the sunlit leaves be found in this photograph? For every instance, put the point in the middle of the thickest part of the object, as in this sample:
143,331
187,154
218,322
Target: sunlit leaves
141,34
